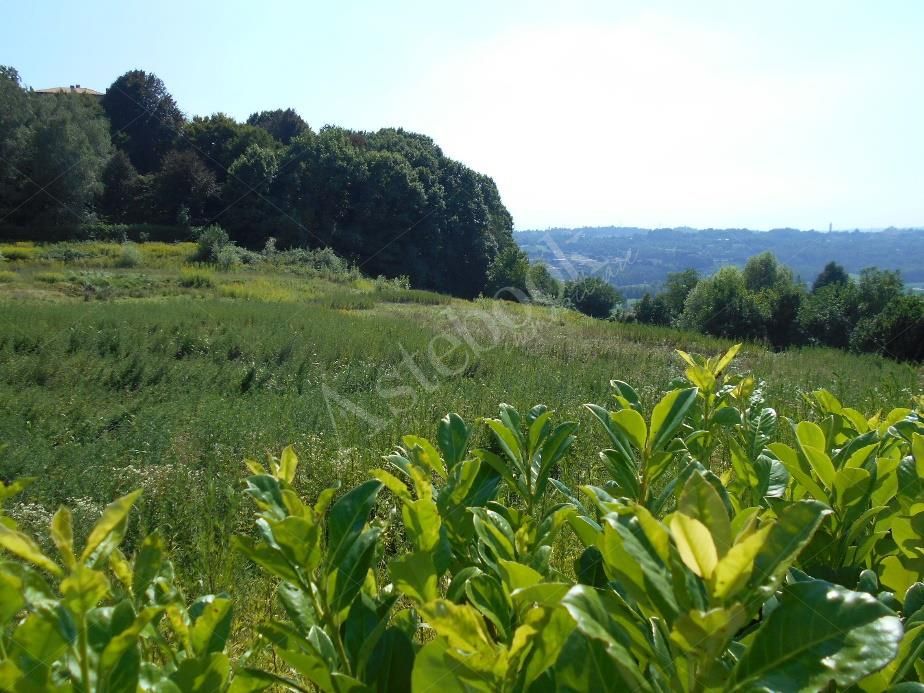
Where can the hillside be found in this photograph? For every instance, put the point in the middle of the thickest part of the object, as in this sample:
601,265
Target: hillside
130,367
638,260
165,375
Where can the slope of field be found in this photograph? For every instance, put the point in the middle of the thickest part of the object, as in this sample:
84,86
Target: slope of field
165,376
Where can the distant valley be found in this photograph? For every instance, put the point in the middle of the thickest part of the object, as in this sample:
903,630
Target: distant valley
637,260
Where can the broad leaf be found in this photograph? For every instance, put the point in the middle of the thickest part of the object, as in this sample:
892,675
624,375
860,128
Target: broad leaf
820,633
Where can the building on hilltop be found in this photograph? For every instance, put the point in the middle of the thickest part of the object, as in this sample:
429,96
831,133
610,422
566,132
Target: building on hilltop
72,89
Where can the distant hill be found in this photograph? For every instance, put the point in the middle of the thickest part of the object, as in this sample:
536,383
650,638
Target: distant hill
638,260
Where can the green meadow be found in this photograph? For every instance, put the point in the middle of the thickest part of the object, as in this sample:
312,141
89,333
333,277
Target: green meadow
124,369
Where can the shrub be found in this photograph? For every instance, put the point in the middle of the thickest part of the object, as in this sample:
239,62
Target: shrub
6,276
228,258
897,332
209,243
592,296
129,256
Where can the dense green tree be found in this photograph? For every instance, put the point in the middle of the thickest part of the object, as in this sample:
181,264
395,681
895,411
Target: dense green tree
778,295
144,118
183,189
828,315
120,200
722,306
592,296
248,207
665,307
508,274
653,310
762,272
897,331
876,288
16,120
833,273
219,140
283,125
541,283
67,151
677,287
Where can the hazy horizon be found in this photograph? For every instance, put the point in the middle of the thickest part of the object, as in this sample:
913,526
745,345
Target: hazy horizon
720,115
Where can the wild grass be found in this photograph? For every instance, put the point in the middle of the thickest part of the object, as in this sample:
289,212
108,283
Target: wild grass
196,277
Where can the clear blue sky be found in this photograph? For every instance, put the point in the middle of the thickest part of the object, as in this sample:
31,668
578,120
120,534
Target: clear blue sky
758,114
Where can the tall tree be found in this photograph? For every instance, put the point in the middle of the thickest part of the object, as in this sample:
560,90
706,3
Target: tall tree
283,125
592,296
16,119
144,117
219,140
122,188
833,273
69,148
722,306
876,288
184,188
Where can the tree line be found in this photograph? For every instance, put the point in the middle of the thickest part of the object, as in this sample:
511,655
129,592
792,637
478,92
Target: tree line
766,302
389,201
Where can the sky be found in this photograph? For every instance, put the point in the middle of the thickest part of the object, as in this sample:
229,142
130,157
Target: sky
585,113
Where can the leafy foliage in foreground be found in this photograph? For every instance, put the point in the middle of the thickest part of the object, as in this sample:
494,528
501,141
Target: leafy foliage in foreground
730,550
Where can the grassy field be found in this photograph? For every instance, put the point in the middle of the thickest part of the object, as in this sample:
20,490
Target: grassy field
164,375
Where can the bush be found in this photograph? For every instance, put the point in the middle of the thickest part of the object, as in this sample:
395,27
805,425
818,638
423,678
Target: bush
228,258
6,276
129,256
897,332
592,296
210,242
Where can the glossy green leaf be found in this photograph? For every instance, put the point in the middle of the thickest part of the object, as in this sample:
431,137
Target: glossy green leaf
592,615
62,534
819,633
436,670
346,519
734,569
83,589
488,596
851,486
288,463
25,548
810,434
789,459
108,531
786,539
699,500
631,423
212,625
667,416
695,544
452,436
347,578
414,574
460,624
